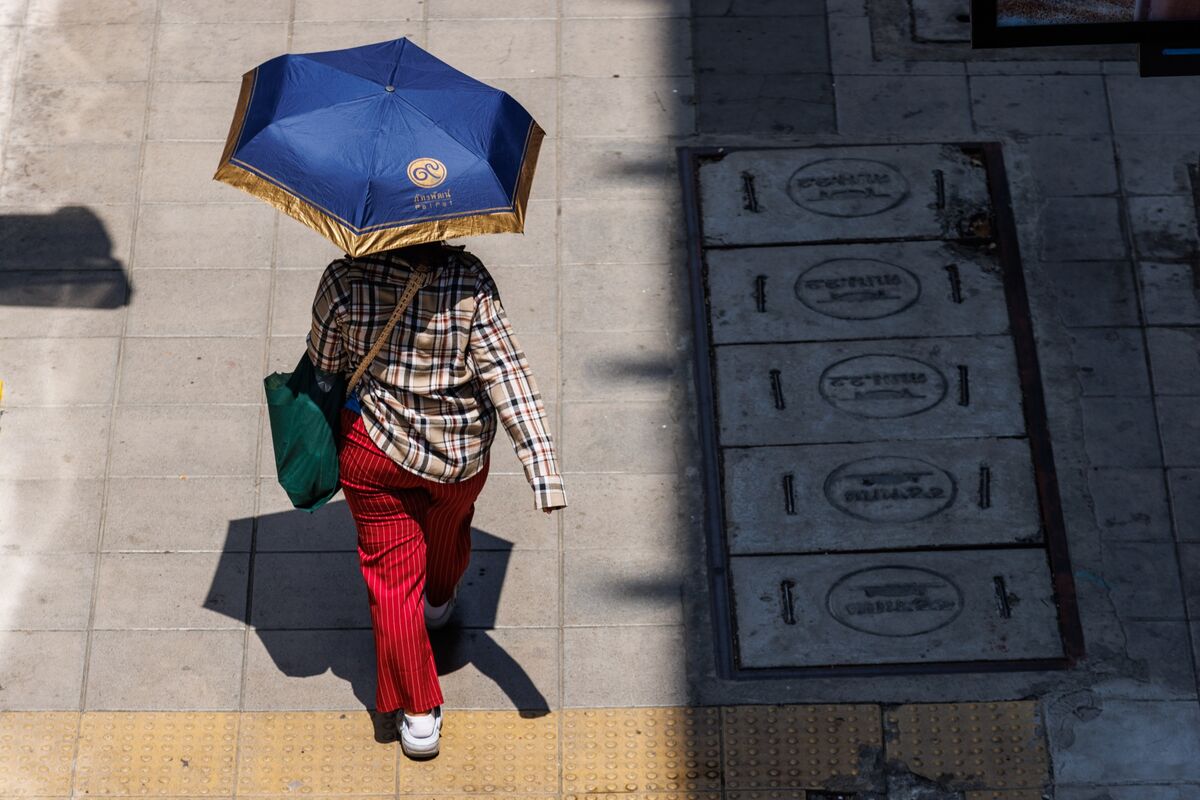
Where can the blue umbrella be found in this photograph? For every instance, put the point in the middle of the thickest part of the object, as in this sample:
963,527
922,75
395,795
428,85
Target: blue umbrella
381,146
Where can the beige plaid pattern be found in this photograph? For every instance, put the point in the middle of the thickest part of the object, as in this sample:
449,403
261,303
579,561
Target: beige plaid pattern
450,368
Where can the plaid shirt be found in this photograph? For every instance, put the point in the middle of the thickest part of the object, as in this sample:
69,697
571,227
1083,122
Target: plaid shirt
451,366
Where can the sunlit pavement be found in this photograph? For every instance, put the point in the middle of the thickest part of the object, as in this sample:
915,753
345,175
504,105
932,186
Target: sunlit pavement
169,626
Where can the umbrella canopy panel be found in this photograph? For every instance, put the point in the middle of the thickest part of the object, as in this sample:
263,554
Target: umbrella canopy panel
381,146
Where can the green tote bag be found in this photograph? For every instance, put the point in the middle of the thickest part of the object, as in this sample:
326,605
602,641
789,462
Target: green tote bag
305,417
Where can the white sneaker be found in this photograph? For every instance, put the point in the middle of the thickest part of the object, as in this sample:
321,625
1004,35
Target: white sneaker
437,616
419,735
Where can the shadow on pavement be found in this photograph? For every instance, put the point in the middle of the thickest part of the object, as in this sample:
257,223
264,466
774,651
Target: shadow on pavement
306,598
60,260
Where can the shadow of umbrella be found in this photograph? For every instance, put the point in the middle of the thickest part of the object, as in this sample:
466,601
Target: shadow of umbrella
305,598
62,260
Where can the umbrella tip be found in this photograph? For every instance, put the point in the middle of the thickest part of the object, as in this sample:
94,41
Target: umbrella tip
389,88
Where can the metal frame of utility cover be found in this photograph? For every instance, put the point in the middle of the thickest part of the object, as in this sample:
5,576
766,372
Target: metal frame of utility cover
1033,402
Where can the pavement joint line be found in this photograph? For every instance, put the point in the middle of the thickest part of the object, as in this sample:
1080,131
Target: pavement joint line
560,534
111,435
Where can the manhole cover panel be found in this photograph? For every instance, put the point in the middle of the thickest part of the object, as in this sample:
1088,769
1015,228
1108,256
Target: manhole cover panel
880,495
881,608
772,394
837,193
880,492
782,294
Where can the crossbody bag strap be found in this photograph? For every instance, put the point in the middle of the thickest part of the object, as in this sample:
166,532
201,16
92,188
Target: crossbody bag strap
420,277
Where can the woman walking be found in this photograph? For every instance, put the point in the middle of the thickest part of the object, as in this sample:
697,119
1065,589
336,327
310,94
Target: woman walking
413,446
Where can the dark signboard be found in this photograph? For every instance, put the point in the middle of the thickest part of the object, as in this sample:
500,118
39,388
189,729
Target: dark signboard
1022,23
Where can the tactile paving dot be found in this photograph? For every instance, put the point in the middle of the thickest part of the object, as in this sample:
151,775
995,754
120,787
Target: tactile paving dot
970,745
35,752
1014,794
488,752
313,752
641,750
648,796
156,753
769,747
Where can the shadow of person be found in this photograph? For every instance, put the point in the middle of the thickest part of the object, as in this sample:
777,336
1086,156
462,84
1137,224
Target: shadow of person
62,260
305,597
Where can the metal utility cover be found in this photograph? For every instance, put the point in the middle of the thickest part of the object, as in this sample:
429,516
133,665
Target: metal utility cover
880,491
882,495
770,394
854,291
831,194
879,608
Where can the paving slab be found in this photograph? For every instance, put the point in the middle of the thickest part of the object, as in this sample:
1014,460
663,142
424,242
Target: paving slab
837,193
1175,360
1184,486
77,113
184,440
41,669
309,670
307,591
1120,432
634,46
818,293
1130,504
1142,579
908,105
59,372
889,608
876,496
1073,165
164,236
1082,229
89,52
1164,227
35,599
622,587
85,174
1110,362
867,390
1156,163
1091,293
164,371
195,590
176,670
1170,293
492,48
1180,430
61,516
1045,104
654,663
1123,741
208,514
59,239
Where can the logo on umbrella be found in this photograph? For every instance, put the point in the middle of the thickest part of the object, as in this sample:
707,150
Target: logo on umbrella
426,172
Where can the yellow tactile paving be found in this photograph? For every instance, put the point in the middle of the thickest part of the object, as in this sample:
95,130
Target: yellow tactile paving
989,751
641,750
313,752
970,745
156,753
768,747
35,753
489,752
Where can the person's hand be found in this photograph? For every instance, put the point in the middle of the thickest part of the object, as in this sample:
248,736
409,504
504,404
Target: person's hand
551,510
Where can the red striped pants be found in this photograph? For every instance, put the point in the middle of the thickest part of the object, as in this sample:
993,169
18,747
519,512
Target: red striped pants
414,537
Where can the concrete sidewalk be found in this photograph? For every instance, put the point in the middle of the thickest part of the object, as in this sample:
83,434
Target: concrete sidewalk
152,566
